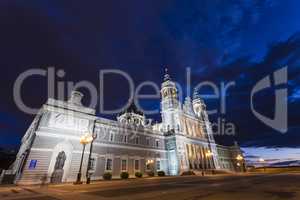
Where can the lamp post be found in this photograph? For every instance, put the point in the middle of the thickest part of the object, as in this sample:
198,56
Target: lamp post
239,159
208,155
84,140
88,175
262,161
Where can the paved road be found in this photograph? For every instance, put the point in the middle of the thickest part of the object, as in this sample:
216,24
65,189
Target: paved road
245,187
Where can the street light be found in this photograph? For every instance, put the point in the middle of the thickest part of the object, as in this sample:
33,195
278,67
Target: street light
84,140
262,161
239,158
88,174
208,155
149,162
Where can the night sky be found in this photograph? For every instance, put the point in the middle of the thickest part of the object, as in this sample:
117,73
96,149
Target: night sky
241,41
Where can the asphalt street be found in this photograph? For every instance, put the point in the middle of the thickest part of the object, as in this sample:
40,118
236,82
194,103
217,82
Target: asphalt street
231,187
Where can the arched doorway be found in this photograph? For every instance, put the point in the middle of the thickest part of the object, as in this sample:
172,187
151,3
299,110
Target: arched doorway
58,172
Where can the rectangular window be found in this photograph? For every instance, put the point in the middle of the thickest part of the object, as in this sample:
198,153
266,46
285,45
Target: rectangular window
156,143
136,165
148,141
92,164
124,165
111,138
158,165
125,139
137,140
108,164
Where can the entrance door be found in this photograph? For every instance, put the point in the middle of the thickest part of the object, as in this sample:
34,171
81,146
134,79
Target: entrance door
58,172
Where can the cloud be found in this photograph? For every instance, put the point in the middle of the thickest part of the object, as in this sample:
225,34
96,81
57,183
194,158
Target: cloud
241,41
246,73
251,157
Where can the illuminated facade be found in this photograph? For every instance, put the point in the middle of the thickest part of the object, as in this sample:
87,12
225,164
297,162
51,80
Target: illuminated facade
51,151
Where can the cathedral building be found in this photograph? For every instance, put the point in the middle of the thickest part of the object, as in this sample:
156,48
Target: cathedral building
51,151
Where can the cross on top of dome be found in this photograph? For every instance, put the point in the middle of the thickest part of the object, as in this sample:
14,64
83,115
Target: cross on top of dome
166,76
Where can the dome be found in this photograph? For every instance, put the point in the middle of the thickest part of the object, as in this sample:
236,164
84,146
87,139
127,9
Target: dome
132,109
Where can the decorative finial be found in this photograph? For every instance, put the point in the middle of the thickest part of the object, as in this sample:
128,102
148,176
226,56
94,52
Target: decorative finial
167,76
195,94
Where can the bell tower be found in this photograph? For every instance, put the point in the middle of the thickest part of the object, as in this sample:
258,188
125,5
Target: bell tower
169,104
201,113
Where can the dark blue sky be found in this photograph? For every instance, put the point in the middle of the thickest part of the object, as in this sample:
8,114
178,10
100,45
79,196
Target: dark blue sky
240,41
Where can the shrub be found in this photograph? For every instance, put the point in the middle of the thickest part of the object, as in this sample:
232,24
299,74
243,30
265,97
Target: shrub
138,174
107,176
188,173
161,173
124,175
151,173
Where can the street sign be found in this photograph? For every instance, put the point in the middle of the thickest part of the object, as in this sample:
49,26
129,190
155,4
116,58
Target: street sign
32,164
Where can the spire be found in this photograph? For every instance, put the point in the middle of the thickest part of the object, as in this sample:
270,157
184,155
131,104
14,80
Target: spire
195,94
166,76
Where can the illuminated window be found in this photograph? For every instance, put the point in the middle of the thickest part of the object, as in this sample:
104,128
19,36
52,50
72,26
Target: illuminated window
124,165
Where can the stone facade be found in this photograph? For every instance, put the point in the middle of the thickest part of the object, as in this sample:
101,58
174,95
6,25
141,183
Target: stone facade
51,152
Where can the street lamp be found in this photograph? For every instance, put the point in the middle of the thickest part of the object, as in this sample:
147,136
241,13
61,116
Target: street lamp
208,155
84,140
88,174
262,161
149,162
239,158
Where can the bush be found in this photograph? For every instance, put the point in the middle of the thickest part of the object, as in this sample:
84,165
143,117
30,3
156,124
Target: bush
151,173
188,173
161,173
107,176
124,175
138,174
